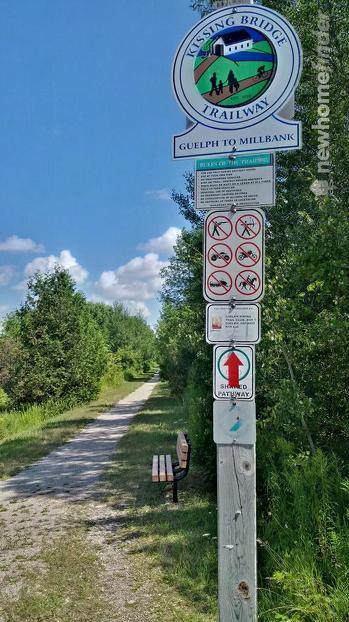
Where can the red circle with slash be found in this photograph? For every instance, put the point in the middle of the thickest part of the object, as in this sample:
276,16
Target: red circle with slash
219,280
251,254
219,228
221,253
248,226
249,284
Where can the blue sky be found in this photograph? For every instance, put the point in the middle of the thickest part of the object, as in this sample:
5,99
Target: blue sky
87,116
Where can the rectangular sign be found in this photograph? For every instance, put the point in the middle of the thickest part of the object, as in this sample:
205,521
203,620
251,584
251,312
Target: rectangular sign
248,181
234,423
234,373
271,135
239,324
234,256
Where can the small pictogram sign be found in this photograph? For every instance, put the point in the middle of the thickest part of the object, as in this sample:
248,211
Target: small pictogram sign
220,283
248,226
248,254
248,283
234,373
219,227
220,255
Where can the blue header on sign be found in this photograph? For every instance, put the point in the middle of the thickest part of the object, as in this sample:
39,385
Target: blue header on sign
243,161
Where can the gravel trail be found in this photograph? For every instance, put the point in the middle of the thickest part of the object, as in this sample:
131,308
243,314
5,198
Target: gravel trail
60,492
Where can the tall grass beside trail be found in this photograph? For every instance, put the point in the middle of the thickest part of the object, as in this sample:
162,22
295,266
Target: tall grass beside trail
304,532
29,434
17,422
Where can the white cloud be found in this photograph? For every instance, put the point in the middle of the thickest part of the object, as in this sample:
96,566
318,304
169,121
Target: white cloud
164,243
134,282
20,245
163,194
6,274
65,259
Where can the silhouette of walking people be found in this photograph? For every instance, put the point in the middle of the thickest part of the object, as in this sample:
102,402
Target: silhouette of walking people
232,82
218,89
213,81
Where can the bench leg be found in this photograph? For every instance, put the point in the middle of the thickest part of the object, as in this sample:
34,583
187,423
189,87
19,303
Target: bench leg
175,491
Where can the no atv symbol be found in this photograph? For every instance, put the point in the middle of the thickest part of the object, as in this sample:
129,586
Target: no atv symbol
234,255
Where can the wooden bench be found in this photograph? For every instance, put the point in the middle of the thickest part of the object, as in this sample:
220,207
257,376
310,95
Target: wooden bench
167,470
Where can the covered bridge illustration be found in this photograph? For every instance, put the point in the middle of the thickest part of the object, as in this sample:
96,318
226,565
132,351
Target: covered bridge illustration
232,42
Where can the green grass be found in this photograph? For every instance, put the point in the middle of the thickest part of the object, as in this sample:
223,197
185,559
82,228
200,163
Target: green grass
177,543
28,436
245,95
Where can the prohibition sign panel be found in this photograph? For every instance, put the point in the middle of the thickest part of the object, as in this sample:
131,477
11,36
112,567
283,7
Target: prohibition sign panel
234,255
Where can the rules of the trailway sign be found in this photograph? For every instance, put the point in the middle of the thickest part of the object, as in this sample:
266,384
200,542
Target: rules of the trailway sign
234,256
234,373
247,181
234,422
240,324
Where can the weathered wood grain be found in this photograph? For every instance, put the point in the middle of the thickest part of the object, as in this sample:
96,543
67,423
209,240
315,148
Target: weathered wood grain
237,575
155,469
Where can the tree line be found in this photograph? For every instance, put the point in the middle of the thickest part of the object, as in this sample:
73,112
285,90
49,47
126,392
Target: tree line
58,346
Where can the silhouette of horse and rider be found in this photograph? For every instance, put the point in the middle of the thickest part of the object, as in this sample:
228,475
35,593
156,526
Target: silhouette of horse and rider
231,81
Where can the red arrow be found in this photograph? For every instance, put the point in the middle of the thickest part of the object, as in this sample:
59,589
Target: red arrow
233,363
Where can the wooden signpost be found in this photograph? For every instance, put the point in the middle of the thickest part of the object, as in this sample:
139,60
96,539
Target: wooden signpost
234,76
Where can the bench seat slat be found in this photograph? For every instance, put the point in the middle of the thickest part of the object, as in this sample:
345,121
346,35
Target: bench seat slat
162,469
169,470
155,469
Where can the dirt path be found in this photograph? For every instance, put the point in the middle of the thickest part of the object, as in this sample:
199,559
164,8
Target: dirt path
203,66
60,493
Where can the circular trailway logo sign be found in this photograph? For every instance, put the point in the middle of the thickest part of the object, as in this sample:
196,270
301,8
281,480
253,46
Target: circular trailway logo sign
237,67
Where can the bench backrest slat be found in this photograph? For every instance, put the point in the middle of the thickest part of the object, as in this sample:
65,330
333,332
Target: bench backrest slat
182,450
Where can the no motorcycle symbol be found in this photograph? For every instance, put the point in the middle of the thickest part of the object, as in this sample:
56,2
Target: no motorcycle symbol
247,254
220,255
